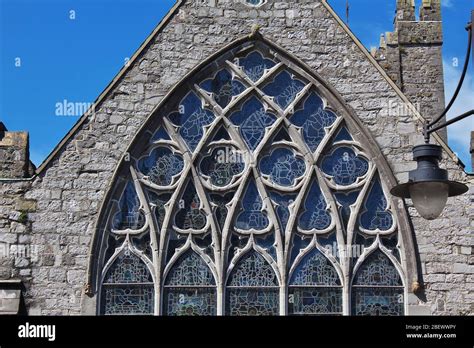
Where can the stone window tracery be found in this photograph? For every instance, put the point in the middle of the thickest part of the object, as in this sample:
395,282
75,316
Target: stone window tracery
245,200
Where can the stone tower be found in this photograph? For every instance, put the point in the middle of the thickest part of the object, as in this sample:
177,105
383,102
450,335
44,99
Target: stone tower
14,154
412,55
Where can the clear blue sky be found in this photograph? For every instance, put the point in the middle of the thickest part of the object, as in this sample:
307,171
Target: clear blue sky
75,59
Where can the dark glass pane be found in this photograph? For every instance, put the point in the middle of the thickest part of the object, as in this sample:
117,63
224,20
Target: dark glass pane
253,270
377,270
343,135
267,242
346,200
157,202
161,166
378,301
283,167
252,120
375,215
315,301
221,134
127,300
344,166
313,119
160,134
252,302
143,243
222,164
299,242
129,215
190,302
191,119
254,65
315,215
223,87
284,89
251,216
189,215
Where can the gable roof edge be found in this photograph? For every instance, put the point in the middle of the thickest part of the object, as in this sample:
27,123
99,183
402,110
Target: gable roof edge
110,86
384,74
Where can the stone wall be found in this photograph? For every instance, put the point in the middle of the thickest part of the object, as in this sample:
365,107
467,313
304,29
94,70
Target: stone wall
69,191
14,154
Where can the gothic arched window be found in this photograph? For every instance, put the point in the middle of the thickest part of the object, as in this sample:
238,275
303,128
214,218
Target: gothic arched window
249,192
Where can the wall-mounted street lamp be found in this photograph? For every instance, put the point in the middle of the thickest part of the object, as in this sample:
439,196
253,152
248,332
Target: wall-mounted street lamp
428,185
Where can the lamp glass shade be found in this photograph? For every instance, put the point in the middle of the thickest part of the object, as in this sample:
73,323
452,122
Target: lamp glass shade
429,198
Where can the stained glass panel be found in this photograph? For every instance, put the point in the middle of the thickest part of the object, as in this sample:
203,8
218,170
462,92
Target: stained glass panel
344,166
284,89
313,119
315,269
282,203
129,215
191,118
254,65
223,87
314,301
378,301
375,215
190,270
315,215
377,270
283,167
128,300
252,216
189,215
252,120
128,268
161,166
222,165
190,302
253,270
252,302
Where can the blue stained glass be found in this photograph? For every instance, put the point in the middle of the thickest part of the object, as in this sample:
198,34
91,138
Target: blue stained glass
205,243
378,301
161,166
314,301
253,270
298,242
282,135
313,119
346,200
175,241
191,119
237,241
143,243
283,167
223,87
128,268
344,166
254,2
375,215
343,135
251,216
315,269
129,215
377,270
189,215
160,134
282,203
284,89
315,215
221,209
190,302
158,201
222,164
252,302
267,242
254,65
128,300
190,270
252,121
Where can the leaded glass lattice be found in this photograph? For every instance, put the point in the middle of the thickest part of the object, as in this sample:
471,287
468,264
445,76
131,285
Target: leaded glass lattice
246,173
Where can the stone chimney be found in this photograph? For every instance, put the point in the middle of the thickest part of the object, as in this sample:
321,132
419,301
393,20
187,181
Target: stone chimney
412,56
14,154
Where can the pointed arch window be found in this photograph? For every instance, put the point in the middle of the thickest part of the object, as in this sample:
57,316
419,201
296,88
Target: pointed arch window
250,192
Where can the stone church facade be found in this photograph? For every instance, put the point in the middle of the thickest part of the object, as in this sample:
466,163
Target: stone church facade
240,164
